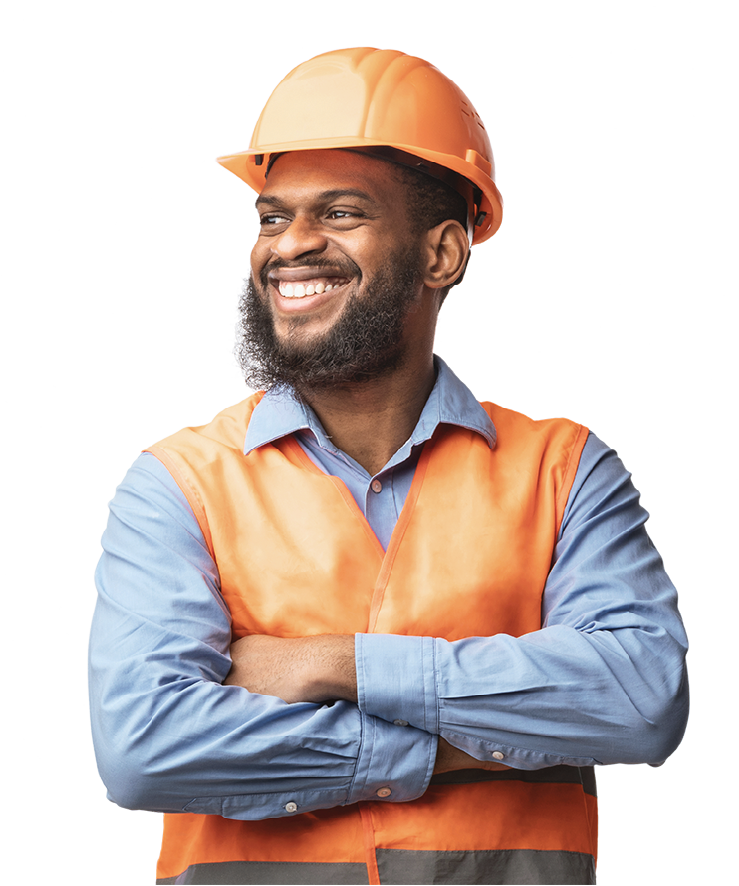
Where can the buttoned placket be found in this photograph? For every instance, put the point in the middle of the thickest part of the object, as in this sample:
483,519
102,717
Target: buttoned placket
381,509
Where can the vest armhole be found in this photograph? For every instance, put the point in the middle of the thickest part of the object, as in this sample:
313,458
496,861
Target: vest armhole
191,494
568,478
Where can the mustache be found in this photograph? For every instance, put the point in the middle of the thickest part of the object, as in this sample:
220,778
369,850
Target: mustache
342,268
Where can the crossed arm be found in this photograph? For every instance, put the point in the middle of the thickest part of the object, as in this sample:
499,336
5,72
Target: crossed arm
317,669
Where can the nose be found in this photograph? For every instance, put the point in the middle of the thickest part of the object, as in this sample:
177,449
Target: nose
303,236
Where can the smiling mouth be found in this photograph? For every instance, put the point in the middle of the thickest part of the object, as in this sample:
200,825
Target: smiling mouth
316,286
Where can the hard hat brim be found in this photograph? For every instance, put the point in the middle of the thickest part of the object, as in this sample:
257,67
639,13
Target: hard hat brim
251,167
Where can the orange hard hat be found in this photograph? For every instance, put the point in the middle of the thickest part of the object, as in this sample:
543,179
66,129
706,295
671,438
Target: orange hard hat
386,102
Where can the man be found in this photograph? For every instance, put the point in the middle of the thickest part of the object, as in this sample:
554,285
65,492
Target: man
362,628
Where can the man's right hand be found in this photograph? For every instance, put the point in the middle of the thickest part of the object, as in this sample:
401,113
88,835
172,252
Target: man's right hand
449,759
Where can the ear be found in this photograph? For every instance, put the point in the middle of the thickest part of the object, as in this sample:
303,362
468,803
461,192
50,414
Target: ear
447,250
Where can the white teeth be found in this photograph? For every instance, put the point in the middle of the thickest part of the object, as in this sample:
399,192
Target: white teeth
299,290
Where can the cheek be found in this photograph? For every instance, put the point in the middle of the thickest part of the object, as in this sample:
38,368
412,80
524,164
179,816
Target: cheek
259,256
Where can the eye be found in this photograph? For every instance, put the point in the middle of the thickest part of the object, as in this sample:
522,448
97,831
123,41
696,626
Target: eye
344,219
273,218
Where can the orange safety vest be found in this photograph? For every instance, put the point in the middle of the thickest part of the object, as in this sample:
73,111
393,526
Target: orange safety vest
469,556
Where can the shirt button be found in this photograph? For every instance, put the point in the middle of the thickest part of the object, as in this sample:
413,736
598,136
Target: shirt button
384,792
291,807
400,722
498,755
376,486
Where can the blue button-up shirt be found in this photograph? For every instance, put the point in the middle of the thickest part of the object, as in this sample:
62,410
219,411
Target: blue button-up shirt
603,681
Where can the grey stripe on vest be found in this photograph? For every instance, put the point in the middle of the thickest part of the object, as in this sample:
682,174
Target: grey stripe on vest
513,866
280,873
584,775
399,866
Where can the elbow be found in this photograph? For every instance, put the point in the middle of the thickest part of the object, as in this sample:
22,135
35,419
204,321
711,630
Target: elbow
133,787
657,728
128,792
129,781
123,763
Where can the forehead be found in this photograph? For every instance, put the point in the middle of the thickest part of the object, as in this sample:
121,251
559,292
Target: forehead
307,173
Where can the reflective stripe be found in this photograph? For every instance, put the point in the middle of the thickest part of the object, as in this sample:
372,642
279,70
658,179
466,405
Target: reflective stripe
234,873
512,866
517,866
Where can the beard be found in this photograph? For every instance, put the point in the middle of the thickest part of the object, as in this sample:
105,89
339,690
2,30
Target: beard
364,343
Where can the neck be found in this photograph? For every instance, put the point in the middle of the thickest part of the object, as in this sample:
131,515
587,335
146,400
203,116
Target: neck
370,421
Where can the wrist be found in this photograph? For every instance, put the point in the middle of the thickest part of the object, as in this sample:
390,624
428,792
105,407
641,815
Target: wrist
330,669
451,759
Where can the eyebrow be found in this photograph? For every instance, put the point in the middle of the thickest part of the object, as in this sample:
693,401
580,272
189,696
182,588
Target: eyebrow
323,197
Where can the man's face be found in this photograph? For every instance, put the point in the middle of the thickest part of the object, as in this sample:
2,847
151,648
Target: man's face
335,272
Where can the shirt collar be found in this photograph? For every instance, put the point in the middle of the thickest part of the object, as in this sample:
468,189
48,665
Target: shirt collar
279,414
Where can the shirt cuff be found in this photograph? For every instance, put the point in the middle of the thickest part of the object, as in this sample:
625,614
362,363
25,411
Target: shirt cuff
395,762
396,679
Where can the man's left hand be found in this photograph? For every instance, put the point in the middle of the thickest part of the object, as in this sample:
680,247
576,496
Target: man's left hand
314,669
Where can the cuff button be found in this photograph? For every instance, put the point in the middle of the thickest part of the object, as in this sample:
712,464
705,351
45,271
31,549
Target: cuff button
384,792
